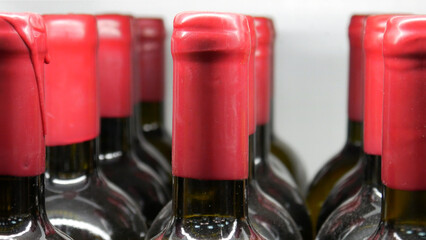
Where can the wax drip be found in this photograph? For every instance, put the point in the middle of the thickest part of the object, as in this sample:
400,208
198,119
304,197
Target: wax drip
30,27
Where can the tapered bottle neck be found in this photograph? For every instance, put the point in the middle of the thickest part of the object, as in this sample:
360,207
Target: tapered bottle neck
218,198
71,162
355,133
151,116
401,207
21,198
263,141
373,169
115,137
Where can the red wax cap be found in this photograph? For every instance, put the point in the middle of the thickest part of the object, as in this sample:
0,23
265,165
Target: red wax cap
265,37
115,65
23,53
72,103
210,95
149,60
251,75
404,111
356,68
373,86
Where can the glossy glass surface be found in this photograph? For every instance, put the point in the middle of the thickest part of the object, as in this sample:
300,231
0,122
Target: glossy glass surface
279,187
123,168
403,215
344,189
359,216
333,171
22,212
200,210
152,144
82,203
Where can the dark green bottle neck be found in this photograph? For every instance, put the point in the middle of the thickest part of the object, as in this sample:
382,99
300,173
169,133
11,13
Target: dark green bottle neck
355,133
401,207
372,170
151,116
73,161
21,198
115,137
263,142
221,198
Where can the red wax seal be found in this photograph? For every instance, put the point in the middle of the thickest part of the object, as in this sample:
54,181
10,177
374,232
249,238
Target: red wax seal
373,86
72,103
149,60
356,68
265,38
23,53
404,104
210,95
115,65
251,75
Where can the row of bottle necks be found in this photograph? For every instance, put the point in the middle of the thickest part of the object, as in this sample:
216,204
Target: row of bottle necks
108,165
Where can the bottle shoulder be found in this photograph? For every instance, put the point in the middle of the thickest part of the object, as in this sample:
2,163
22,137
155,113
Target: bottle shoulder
393,232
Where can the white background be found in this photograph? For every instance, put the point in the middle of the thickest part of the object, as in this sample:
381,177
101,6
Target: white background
311,57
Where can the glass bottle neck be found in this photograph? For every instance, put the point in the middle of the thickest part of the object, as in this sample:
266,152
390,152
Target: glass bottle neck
115,137
263,141
150,116
373,169
218,198
21,198
400,207
252,152
71,162
355,133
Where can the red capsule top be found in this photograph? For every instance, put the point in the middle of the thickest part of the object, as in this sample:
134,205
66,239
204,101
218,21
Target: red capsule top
404,111
23,53
210,95
72,103
373,86
356,68
265,36
115,65
149,60
251,75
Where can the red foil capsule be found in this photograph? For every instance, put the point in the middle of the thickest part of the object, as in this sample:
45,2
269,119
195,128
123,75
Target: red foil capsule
356,68
23,53
210,95
374,70
251,75
149,60
72,103
404,105
115,65
263,71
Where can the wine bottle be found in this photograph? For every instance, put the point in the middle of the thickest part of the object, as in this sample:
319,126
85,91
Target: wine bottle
263,210
119,163
349,156
363,209
152,142
279,186
22,149
279,149
80,201
210,129
403,214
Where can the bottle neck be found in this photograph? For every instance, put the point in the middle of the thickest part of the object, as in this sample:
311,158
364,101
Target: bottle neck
115,137
373,169
21,198
217,198
71,162
263,142
400,207
355,133
252,153
151,116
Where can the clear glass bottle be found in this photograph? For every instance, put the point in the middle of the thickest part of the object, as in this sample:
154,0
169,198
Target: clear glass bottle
118,161
351,153
403,214
79,199
22,150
